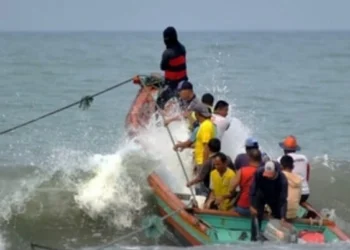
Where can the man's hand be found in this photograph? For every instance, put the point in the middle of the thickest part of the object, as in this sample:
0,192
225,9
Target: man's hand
166,122
176,146
189,184
219,200
253,211
186,114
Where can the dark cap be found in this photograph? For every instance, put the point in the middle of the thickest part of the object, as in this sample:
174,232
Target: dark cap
202,109
185,85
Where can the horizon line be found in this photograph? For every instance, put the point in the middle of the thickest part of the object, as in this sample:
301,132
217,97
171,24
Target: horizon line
180,31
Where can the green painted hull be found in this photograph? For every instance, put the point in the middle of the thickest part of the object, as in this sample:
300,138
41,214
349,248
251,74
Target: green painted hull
226,229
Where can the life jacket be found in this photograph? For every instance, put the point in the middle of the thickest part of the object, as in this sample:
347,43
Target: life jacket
247,176
294,194
177,69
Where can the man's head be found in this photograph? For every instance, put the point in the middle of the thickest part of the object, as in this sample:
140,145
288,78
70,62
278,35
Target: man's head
214,145
170,36
270,170
251,143
202,112
255,157
185,89
220,161
290,144
287,163
221,108
208,99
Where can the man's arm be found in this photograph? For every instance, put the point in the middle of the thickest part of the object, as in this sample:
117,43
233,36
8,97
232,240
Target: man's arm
211,194
283,195
308,168
206,152
170,120
164,64
181,145
233,185
205,170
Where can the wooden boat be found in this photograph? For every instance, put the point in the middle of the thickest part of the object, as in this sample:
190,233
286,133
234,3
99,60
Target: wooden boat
198,226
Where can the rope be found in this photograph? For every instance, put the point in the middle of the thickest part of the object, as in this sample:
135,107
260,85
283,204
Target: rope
177,153
126,236
84,103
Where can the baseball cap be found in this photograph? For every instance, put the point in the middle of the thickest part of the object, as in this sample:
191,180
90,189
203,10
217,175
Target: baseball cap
251,142
201,109
185,85
269,169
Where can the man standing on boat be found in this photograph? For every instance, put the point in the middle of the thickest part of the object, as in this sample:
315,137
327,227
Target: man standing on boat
269,187
206,132
301,164
188,100
173,64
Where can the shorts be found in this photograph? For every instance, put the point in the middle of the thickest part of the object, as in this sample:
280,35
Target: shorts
304,198
242,211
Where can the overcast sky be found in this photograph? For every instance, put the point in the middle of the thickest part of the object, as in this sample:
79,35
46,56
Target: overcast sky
52,15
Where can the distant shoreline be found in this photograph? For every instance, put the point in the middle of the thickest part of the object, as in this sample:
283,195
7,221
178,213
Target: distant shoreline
180,31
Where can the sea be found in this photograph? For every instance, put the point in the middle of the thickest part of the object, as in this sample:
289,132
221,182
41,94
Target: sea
74,180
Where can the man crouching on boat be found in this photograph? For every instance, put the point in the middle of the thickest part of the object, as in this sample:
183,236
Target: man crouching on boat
220,179
270,187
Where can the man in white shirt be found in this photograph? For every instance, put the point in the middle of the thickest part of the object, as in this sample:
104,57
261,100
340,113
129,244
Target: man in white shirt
301,164
220,118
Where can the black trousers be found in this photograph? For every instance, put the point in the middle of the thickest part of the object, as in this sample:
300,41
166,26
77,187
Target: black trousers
169,91
260,202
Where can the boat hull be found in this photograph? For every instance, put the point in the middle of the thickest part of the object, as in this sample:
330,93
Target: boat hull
194,227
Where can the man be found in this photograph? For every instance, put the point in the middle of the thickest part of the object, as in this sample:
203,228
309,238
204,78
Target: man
244,179
214,146
301,164
220,179
173,64
294,186
243,159
207,99
188,100
206,132
269,187
220,117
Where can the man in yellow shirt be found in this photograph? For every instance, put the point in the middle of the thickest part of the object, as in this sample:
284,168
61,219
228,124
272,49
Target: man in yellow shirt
205,133
220,179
